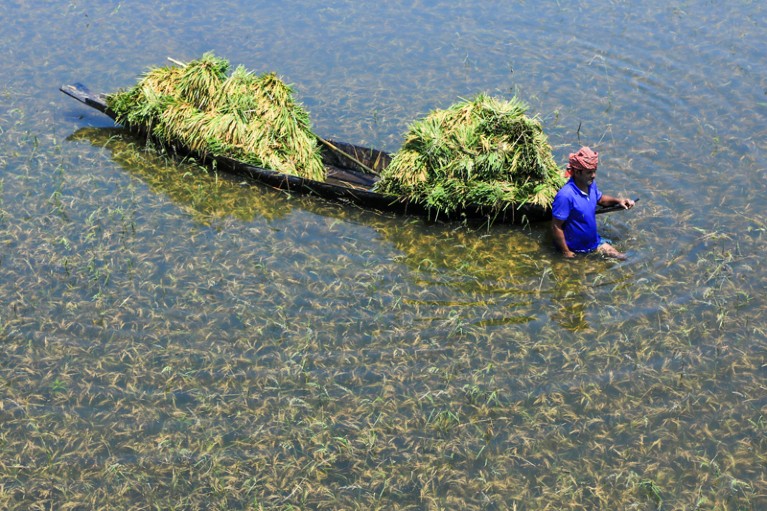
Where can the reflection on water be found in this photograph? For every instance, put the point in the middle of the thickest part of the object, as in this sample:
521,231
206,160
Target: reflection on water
174,338
196,188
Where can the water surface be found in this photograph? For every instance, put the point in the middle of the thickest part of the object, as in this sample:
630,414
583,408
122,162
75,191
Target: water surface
177,339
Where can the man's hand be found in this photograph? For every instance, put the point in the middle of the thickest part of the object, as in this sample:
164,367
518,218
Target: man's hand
558,231
626,203
609,200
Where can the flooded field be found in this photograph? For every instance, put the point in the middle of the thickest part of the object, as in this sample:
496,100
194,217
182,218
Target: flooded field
176,338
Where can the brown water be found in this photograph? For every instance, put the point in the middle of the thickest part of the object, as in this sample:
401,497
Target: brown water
176,339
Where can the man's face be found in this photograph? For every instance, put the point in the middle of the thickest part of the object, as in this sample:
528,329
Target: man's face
584,178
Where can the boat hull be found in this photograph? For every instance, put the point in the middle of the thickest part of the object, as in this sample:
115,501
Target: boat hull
347,182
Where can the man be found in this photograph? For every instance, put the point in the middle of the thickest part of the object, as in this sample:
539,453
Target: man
574,223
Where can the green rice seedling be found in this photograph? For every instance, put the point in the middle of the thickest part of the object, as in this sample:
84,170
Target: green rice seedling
650,490
483,151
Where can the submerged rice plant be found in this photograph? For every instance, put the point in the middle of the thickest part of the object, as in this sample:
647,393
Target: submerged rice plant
242,115
482,151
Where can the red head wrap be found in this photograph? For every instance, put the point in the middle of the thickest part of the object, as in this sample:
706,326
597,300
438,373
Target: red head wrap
584,159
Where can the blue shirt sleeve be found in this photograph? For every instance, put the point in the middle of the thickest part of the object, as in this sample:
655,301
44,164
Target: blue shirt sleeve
560,209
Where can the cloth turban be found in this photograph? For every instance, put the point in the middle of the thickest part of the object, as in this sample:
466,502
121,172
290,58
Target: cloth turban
584,159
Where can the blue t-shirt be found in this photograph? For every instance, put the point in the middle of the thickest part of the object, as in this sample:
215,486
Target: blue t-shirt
578,212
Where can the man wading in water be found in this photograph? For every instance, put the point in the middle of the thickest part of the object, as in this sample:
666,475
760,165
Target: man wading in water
574,222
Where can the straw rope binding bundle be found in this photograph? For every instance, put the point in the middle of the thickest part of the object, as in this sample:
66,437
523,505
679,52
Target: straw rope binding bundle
483,151
245,116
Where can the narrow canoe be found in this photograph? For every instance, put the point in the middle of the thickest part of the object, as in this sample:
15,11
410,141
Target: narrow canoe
346,182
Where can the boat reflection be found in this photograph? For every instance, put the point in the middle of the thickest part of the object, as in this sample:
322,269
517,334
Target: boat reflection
205,194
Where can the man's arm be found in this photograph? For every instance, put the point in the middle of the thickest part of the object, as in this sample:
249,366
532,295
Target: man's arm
557,229
608,200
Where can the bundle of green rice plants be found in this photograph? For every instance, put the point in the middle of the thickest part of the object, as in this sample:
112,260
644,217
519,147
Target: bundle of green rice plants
163,80
201,80
141,106
183,123
484,151
244,116
275,91
239,95
144,103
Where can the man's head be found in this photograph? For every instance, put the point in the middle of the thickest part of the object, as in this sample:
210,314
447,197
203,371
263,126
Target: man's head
584,159
582,166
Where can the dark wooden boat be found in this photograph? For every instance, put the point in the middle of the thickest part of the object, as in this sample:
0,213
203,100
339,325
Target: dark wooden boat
346,180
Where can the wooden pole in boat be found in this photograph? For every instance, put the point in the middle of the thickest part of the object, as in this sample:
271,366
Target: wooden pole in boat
345,154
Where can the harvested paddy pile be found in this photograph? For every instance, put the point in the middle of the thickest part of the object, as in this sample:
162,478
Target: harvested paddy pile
253,118
485,151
